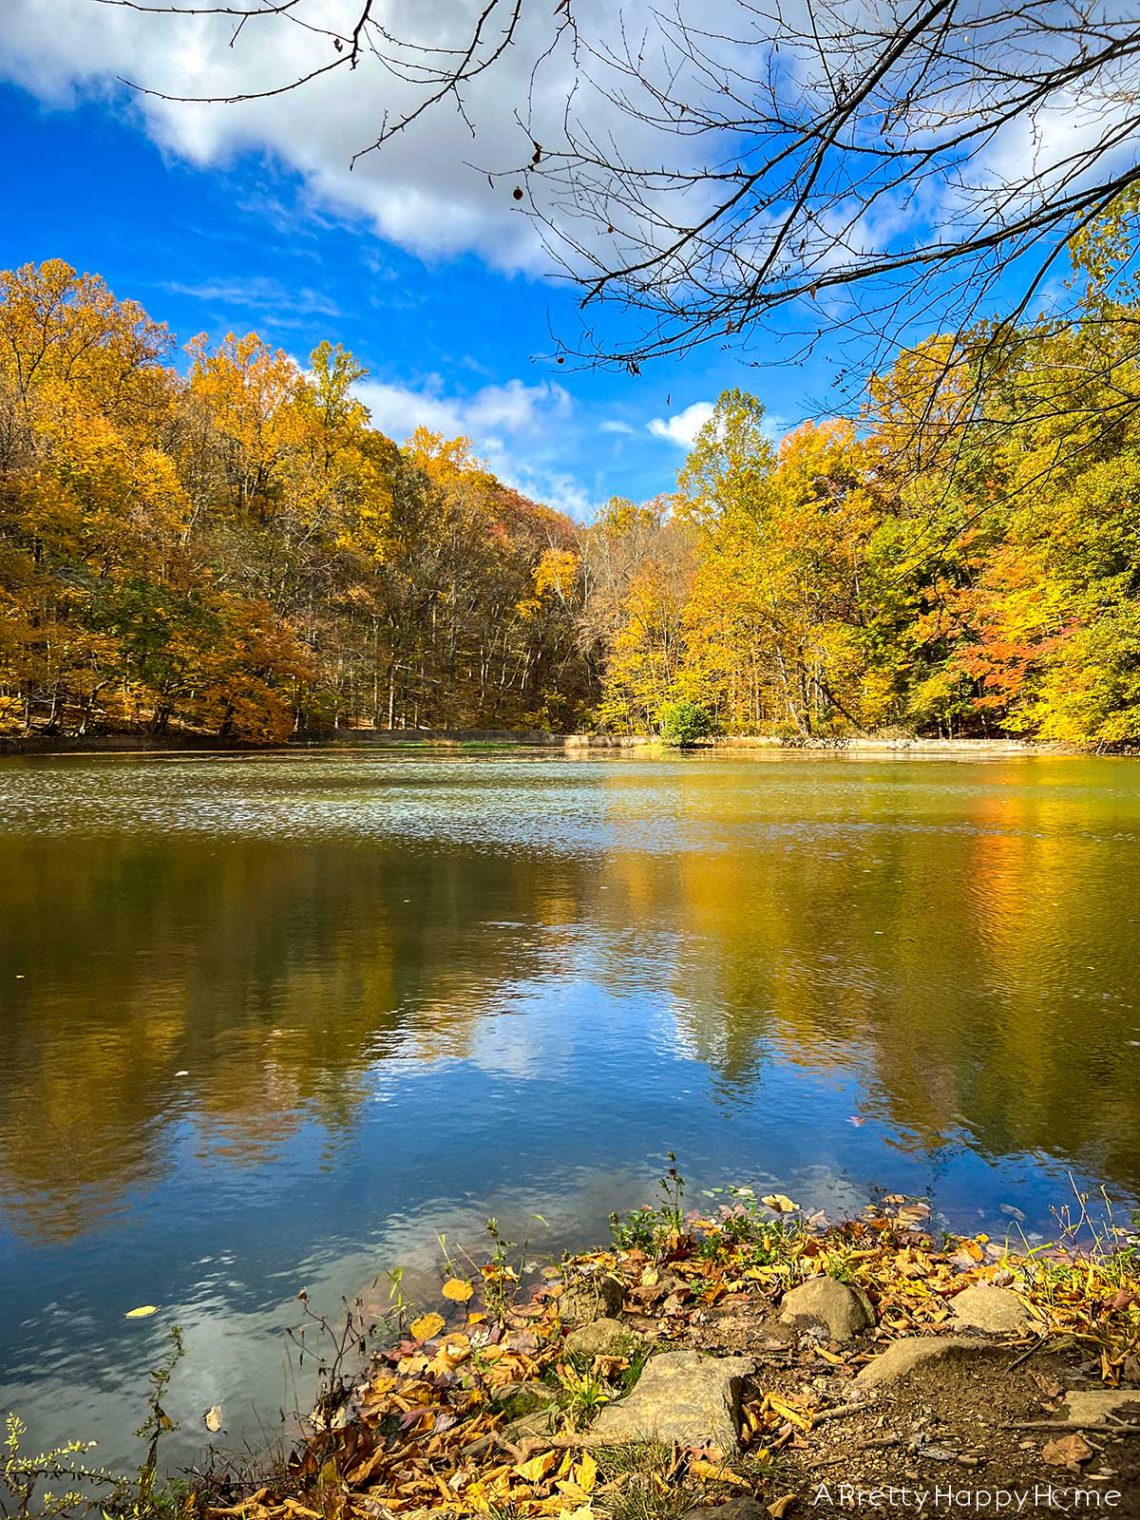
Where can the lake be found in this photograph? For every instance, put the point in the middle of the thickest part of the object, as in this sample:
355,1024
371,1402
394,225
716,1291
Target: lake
272,1023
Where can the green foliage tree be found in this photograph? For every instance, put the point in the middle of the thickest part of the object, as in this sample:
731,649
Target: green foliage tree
684,723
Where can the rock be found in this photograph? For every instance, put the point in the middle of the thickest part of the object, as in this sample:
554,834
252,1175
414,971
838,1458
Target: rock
521,1399
604,1337
915,1351
735,1509
681,1396
1090,1406
997,1311
845,1311
661,1277
537,1423
588,1299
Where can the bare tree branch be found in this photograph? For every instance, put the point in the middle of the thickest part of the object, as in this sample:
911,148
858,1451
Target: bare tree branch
876,163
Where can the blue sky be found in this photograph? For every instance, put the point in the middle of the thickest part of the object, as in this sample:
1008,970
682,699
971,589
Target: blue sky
237,218
242,242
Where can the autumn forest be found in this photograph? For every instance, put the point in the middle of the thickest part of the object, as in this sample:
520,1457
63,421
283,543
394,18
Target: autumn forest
215,540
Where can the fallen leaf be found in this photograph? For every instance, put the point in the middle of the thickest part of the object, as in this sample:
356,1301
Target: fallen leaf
586,1472
1067,1451
715,1472
142,1312
457,1290
1050,1387
426,1326
534,1470
213,1418
780,1202
781,1506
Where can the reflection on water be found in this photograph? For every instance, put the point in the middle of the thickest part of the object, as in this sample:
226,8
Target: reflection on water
270,1023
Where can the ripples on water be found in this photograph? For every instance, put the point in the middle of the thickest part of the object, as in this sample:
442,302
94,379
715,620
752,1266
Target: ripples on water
269,1023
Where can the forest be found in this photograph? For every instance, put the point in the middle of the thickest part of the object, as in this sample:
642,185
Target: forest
224,545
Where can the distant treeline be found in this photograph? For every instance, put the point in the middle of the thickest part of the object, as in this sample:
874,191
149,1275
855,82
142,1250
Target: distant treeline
238,551
235,550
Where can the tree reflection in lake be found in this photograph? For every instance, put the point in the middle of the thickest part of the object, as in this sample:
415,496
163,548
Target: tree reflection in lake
268,1021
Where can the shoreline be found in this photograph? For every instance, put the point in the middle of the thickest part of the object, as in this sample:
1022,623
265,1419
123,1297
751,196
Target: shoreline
571,744
737,1366
744,1363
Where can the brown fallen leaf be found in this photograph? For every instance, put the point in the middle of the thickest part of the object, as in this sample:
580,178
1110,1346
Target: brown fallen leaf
1067,1451
1050,1387
781,1506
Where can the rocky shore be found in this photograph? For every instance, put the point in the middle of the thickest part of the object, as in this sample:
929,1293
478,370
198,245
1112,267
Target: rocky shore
748,1364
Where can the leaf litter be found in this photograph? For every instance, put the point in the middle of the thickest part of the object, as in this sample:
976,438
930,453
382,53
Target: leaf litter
484,1409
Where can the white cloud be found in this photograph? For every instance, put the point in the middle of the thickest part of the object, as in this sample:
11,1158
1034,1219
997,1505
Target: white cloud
262,295
682,428
555,487
420,192
612,425
425,190
514,409
499,419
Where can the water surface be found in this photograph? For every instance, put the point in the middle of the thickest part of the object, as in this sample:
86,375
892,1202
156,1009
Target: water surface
271,1023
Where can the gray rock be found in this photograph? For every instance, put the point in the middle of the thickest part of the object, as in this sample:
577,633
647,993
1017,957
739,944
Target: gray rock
604,1337
915,1351
520,1399
734,1509
997,1311
1091,1406
537,1423
681,1396
845,1311
588,1299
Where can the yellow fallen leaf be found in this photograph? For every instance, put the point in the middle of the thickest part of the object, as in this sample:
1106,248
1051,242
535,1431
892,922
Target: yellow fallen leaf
426,1326
784,1411
536,1468
780,1202
715,1472
457,1290
456,1348
141,1312
586,1473
830,1356
213,1418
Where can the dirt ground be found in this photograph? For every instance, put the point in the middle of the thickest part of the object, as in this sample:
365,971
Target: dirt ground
946,1434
